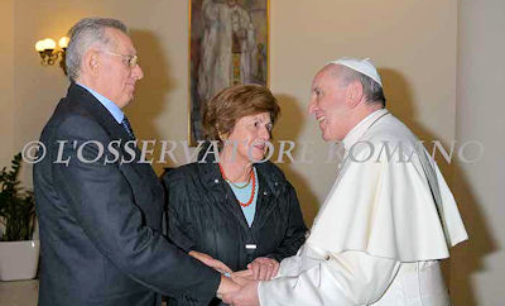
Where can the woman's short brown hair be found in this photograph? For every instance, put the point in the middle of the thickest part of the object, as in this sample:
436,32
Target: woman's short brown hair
221,113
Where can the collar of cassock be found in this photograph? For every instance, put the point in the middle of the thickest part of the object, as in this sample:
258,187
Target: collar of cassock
357,132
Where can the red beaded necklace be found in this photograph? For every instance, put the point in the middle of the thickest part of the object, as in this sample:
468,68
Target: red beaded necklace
253,177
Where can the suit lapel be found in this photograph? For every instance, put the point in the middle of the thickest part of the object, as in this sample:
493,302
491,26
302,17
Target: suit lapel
87,101
268,192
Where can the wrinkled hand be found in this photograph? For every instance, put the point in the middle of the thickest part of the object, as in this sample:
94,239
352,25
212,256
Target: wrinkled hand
263,268
211,262
246,296
243,277
226,286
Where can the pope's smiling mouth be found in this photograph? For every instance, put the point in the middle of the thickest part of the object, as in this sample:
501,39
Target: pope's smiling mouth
321,119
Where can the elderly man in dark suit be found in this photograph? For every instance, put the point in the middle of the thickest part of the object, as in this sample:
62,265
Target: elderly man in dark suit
99,208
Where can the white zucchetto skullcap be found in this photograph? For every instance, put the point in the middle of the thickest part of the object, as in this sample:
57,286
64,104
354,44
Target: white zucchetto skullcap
363,66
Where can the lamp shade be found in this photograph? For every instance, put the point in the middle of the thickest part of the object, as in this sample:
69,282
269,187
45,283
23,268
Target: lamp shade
63,42
39,46
49,44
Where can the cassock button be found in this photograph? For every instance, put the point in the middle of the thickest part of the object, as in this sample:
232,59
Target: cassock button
216,181
265,193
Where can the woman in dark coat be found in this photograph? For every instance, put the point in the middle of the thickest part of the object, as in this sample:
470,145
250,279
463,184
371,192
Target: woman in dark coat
232,210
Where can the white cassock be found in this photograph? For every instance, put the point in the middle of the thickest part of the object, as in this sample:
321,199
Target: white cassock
378,238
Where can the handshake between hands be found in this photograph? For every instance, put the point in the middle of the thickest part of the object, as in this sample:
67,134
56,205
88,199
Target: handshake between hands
241,287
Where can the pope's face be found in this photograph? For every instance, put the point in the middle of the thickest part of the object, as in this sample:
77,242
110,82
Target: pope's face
327,104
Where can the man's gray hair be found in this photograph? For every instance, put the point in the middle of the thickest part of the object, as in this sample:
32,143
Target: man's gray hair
372,90
83,35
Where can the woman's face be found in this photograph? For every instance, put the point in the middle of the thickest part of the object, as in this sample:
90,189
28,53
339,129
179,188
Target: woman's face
248,137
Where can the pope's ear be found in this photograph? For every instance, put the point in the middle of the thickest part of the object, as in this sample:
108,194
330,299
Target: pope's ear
355,93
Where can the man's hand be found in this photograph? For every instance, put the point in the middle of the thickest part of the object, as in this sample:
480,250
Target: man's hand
247,296
263,268
211,262
226,287
243,277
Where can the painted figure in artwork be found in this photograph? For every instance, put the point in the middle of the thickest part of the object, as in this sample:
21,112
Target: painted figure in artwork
228,48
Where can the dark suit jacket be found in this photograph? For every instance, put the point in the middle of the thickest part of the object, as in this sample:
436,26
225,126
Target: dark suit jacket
203,215
100,220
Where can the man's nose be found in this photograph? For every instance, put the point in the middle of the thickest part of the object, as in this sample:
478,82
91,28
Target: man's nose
137,72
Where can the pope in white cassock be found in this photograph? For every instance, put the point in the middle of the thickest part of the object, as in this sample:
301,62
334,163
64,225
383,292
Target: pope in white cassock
388,219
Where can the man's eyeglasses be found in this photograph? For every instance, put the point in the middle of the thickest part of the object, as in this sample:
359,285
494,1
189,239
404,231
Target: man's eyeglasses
131,60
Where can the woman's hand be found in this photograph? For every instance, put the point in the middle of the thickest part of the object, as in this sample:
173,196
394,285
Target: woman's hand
263,268
211,262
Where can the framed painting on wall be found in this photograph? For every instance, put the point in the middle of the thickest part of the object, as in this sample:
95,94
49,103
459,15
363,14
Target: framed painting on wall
228,45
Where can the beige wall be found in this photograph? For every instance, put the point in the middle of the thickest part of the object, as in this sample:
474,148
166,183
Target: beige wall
412,42
7,81
400,36
160,30
478,272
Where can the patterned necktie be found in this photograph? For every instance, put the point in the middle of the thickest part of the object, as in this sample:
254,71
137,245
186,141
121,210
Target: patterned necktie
126,125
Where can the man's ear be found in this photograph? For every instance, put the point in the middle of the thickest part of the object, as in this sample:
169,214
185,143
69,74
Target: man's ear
354,93
90,62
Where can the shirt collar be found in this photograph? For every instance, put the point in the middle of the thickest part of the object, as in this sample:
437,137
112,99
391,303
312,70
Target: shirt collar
355,134
113,109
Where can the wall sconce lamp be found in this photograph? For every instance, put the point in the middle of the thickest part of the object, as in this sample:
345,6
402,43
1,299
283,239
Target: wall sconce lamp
50,54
